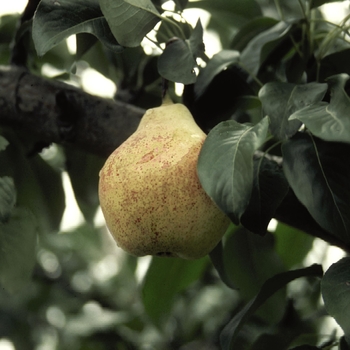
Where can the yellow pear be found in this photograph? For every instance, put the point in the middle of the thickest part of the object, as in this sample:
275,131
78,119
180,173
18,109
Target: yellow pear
149,191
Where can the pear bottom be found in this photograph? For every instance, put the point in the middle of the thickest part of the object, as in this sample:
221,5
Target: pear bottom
164,213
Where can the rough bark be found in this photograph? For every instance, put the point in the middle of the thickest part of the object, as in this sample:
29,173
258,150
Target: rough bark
57,112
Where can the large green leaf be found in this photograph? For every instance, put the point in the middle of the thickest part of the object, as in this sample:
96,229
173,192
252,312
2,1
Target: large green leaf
218,63
270,287
55,21
269,188
7,197
130,20
319,172
225,164
17,241
165,279
250,260
335,288
329,121
178,60
281,100
253,56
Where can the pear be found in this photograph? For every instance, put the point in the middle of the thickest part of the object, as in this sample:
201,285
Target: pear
149,191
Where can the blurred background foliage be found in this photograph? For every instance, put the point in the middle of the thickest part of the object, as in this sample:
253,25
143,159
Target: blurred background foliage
83,292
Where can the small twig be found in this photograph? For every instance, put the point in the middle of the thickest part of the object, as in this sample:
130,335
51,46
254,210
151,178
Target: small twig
19,52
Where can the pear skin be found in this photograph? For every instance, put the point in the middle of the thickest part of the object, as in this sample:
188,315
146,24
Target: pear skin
150,194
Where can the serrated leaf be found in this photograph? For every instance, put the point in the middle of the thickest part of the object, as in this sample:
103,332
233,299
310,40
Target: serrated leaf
178,60
281,100
269,188
217,63
3,143
55,21
335,289
270,287
329,121
130,20
17,242
165,278
318,172
225,164
7,197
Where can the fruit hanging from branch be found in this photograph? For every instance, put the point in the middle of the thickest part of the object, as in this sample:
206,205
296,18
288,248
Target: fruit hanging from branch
150,194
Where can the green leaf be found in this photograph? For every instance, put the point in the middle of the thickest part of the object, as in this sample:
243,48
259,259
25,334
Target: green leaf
269,188
250,30
170,29
17,242
84,42
165,279
292,245
83,170
178,60
225,164
130,20
217,64
250,260
335,289
3,143
334,63
39,186
281,100
7,197
55,21
233,12
270,287
217,259
319,172
343,344
329,121
263,45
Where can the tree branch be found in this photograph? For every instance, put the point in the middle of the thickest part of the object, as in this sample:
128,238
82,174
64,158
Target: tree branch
57,112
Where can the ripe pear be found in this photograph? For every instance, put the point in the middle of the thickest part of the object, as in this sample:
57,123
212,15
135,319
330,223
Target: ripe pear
149,191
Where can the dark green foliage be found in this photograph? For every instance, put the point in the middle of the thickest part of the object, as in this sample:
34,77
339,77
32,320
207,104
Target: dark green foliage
275,104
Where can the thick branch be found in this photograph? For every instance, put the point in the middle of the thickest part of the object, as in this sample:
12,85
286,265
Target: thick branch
57,112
